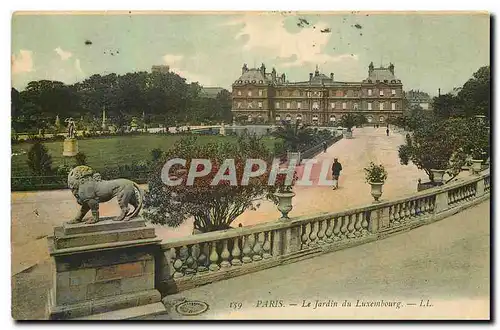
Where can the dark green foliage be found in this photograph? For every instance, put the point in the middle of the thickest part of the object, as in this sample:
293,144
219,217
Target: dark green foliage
39,160
80,159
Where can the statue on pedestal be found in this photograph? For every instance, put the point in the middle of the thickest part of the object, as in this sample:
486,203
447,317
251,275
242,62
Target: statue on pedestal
70,145
71,127
90,190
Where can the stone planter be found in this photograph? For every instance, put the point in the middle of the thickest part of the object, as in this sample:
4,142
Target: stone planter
284,203
376,190
348,135
438,175
476,165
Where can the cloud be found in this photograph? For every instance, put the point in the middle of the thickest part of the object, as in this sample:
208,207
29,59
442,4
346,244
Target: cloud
78,67
63,54
177,64
267,33
23,62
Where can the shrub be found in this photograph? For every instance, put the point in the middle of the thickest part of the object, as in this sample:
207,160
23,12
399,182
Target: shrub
39,160
375,173
156,154
81,159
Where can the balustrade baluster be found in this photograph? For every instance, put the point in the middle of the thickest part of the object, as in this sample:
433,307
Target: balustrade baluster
266,247
314,234
177,264
190,261
225,255
343,229
350,227
364,222
236,252
329,231
412,208
183,253
321,231
305,235
357,224
418,205
391,214
247,249
336,229
214,258
257,248
202,258
396,214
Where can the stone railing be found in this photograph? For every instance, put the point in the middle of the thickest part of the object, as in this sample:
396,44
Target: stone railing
200,259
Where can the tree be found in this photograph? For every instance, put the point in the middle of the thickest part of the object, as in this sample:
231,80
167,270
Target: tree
39,160
440,145
475,94
294,135
348,121
446,106
213,206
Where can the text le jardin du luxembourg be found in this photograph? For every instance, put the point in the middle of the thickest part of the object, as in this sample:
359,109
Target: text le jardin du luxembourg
330,303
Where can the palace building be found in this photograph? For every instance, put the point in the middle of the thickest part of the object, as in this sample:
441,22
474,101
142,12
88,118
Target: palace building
261,96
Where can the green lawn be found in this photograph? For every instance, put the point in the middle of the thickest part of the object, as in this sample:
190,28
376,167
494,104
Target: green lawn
112,151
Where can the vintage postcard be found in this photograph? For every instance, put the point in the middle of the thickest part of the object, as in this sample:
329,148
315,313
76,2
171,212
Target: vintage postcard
250,165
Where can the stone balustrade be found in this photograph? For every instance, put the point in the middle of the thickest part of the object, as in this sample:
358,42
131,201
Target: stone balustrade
199,259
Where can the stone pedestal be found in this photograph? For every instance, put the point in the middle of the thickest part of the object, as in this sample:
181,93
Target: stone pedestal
70,147
101,270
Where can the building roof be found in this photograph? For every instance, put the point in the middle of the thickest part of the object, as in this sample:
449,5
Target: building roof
210,92
254,76
416,95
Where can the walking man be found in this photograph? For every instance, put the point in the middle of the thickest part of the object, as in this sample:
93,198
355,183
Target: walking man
336,168
387,131
324,146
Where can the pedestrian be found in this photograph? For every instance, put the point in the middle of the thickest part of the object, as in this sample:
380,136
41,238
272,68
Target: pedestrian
336,168
324,146
387,131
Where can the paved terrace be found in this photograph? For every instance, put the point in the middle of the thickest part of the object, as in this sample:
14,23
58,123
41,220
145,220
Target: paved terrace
34,214
446,263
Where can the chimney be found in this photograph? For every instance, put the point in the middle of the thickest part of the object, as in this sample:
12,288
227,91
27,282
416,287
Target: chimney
439,91
283,77
331,76
310,76
370,68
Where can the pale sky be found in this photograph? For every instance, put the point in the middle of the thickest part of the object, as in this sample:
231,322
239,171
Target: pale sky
429,51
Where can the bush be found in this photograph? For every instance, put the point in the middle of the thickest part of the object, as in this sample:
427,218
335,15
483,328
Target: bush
39,160
375,173
156,154
81,159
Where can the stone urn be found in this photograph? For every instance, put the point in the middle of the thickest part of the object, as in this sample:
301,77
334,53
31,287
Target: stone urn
476,165
438,175
284,203
348,135
376,190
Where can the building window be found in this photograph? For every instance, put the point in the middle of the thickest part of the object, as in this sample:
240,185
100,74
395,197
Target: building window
315,117
277,105
393,92
332,118
381,106
249,93
393,106
299,117
239,93
333,105
369,105
369,118
355,93
261,92
355,106
278,117
299,105
239,104
381,92
249,117
260,105
344,105
288,105
340,93
315,105
369,92
288,118
250,105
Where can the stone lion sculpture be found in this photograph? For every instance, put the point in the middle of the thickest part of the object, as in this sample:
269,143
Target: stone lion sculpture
90,190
